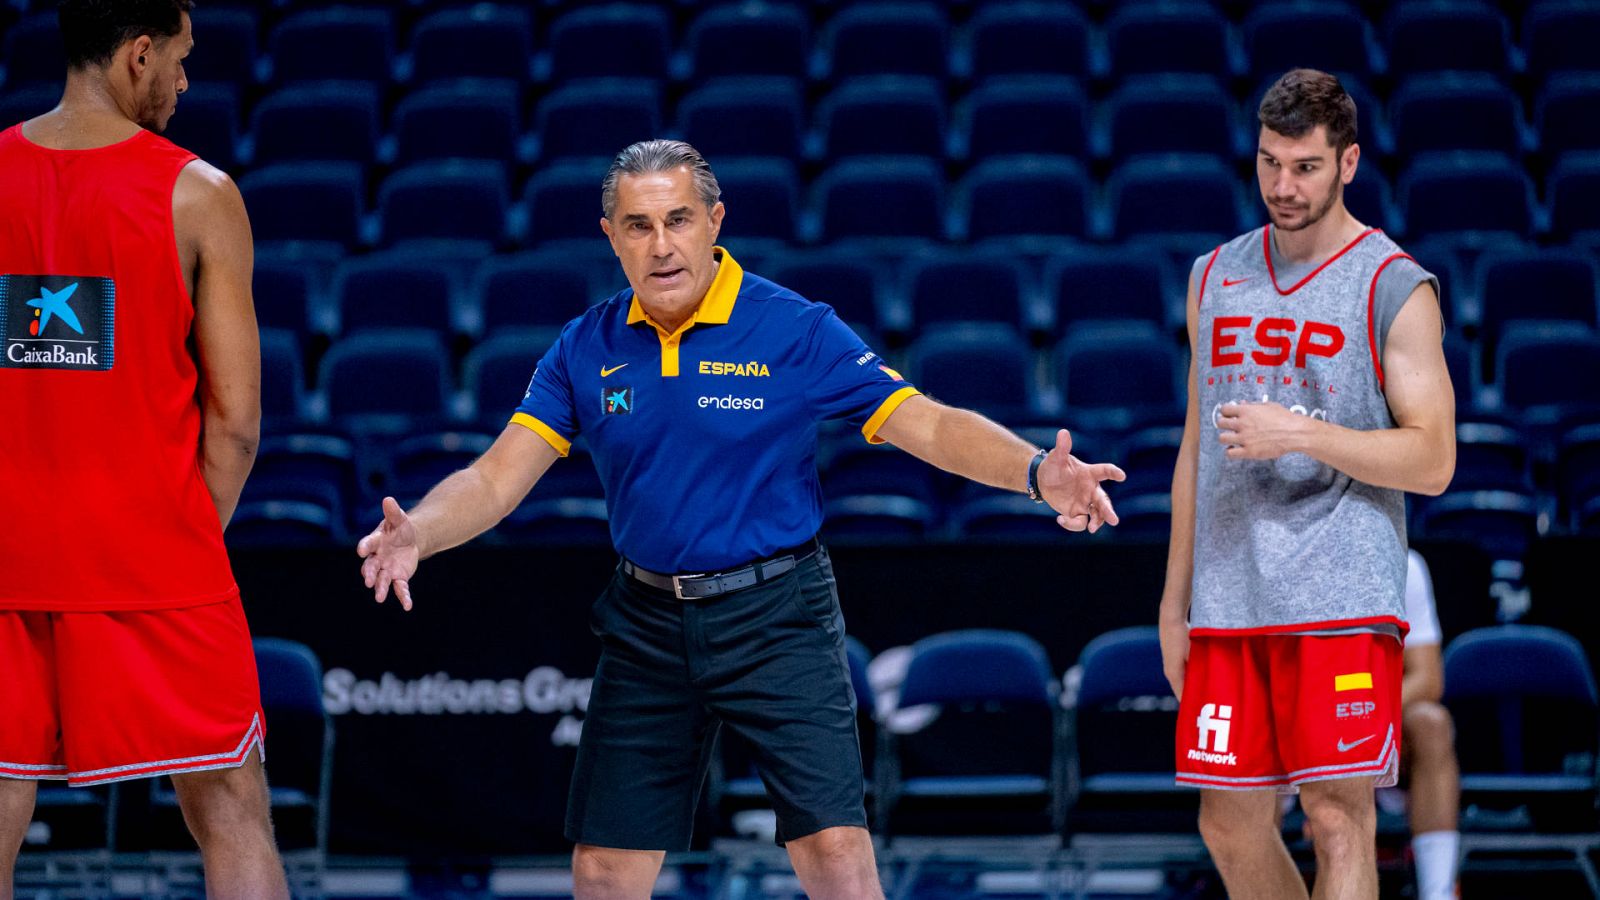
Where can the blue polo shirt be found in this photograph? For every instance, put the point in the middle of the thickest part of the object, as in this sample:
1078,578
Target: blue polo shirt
705,438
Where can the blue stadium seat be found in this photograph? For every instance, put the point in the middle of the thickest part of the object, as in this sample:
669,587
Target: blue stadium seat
328,121
341,43
1028,38
480,41
1560,35
854,468
397,375
1171,114
1564,117
972,744
530,290
1178,193
1548,365
394,290
1491,457
762,195
1113,376
1465,372
887,38
282,523
1120,765
1466,192
1024,114
207,124
290,678
1008,518
1025,196
597,118
423,460
1500,523
283,377
953,287
34,53
1148,456
230,50
756,116
851,283
982,366
752,38
1553,284
1170,36
887,114
496,373
308,467
886,197
305,202
18,104
1577,476
563,202
283,289
446,199
462,119
1574,191
613,39
876,519
1526,713
1455,111
1108,285
1440,35
1320,34
1369,198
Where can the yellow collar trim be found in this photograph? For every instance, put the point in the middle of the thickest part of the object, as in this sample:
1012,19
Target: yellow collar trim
717,306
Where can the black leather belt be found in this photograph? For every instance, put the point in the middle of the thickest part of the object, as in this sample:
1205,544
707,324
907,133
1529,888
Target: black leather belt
703,585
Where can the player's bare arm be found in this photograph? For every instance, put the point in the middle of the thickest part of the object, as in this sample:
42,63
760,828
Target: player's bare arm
217,254
1418,455
1173,619
969,445
458,509
1424,678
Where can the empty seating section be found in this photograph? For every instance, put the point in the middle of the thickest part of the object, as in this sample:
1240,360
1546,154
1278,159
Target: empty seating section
1002,198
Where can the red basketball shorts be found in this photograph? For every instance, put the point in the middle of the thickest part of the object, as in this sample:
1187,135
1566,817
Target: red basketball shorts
1277,711
91,697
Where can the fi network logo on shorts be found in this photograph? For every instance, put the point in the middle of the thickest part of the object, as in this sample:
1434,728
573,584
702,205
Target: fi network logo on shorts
1215,724
616,401
57,322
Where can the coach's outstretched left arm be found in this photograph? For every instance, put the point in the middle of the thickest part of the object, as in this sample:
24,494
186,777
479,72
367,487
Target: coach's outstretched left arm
969,445
1418,455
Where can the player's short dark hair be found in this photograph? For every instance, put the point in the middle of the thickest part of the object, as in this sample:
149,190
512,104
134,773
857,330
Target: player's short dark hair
1305,98
92,30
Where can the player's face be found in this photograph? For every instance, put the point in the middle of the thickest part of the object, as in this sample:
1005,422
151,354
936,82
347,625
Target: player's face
164,78
1302,178
663,235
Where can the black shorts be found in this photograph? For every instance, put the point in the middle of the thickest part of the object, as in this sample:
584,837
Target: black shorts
767,661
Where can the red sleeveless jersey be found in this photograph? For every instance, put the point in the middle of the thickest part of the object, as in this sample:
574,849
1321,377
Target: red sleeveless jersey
102,505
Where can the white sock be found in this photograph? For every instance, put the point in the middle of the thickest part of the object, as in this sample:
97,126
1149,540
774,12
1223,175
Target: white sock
1436,853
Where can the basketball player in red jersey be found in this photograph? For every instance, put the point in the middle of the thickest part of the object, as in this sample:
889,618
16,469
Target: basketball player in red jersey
129,415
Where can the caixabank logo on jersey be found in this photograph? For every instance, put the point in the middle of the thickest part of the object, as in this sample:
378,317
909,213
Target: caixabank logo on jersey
57,322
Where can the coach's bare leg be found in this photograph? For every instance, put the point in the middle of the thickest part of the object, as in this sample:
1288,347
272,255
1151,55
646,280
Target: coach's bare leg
836,864
16,811
1240,829
1430,747
1345,822
605,873
230,815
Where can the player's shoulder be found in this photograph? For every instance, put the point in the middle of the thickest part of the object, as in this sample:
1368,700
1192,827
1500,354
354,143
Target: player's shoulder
1233,249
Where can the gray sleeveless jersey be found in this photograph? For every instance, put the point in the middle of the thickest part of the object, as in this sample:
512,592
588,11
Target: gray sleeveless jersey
1291,544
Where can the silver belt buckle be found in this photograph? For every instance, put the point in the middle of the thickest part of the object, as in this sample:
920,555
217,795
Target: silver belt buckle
677,584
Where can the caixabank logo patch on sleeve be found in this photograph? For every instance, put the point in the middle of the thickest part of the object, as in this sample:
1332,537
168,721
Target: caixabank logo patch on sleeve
57,322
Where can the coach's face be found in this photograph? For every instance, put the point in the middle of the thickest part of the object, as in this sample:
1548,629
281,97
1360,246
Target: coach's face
663,235
1302,178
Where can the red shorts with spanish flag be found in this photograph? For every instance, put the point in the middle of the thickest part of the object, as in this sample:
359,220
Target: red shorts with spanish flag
1277,711
95,697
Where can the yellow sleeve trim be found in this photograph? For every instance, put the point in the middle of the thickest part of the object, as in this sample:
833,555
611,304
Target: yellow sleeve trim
562,445
885,409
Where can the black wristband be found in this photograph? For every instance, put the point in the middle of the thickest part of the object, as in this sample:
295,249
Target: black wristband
1033,476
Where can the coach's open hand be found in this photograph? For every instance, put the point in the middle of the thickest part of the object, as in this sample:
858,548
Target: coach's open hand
391,555
1072,487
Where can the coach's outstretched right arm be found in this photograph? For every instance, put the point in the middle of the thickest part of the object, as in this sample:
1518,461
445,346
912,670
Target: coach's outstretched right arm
457,510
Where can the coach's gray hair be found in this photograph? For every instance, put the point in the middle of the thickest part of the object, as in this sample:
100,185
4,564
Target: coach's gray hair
659,156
